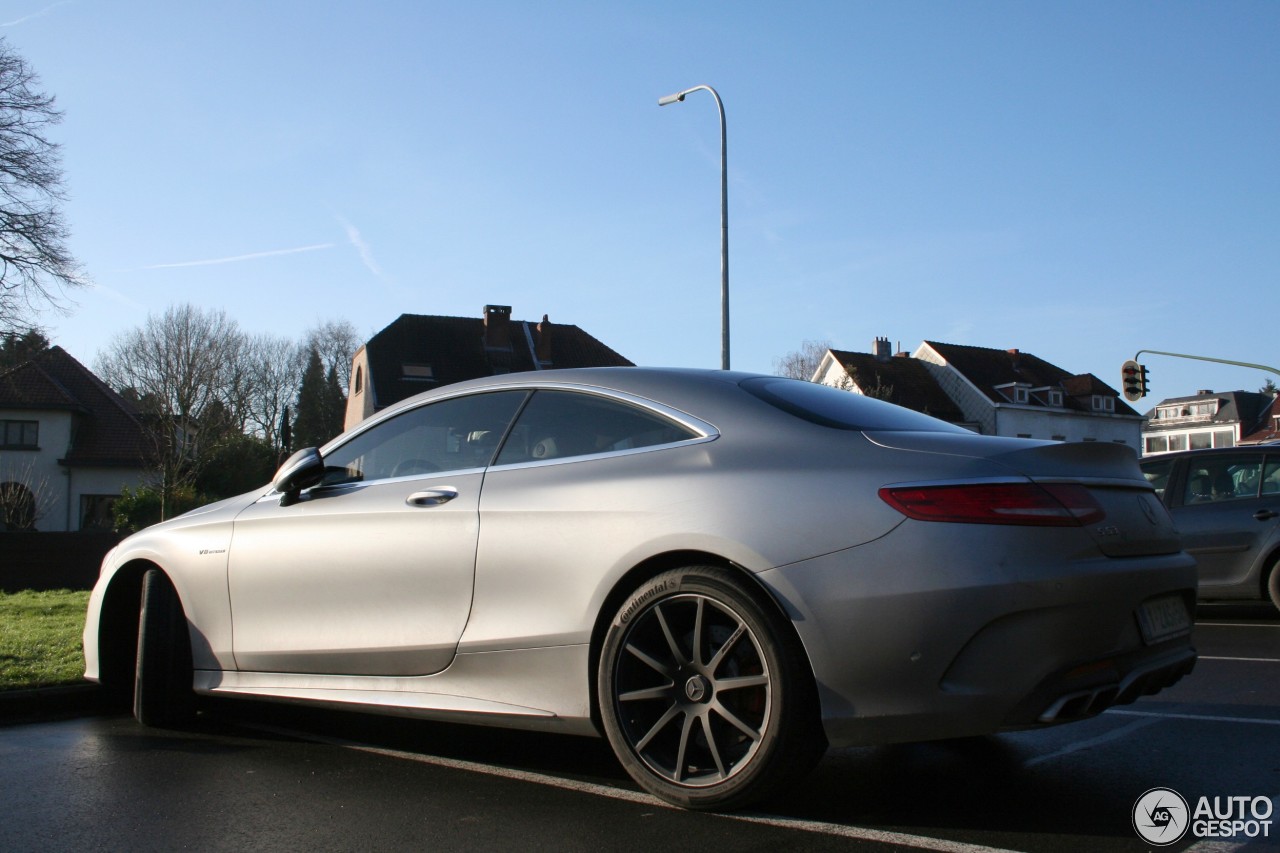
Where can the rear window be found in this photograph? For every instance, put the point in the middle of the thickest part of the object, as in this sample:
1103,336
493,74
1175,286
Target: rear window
831,407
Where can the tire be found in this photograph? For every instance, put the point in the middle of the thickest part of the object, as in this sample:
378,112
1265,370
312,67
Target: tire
704,692
162,693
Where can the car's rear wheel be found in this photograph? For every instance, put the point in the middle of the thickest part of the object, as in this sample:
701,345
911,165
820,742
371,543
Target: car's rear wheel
705,693
162,694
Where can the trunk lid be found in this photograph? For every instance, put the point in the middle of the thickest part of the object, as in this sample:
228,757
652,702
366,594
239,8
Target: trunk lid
1135,523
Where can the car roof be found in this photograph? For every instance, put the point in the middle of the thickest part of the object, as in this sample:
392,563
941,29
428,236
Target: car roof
1209,451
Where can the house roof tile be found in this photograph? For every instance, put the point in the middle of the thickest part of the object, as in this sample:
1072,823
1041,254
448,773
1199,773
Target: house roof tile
989,368
454,350
108,430
906,381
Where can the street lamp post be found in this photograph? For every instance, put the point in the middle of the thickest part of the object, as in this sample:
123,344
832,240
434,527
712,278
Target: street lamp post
724,219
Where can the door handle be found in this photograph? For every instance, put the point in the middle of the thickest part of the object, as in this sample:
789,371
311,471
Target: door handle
1265,514
431,497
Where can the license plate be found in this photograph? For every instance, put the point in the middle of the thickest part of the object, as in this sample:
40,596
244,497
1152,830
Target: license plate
1162,618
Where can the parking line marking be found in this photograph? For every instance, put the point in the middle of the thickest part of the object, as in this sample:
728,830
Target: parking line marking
901,839
1208,718
919,842
1233,625
1256,660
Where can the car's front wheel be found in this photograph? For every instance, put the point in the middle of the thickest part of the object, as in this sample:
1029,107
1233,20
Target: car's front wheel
704,692
162,694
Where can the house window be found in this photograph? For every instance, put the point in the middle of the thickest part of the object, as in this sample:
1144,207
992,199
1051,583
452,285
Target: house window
1224,438
1051,397
359,386
1177,442
1201,440
97,512
1015,392
1103,404
17,507
20,435
421,372
1157,444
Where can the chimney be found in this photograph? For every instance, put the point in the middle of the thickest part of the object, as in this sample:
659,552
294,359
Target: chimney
497,327
544,341
881,349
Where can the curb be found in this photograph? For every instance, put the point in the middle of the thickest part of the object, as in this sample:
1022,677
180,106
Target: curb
47,703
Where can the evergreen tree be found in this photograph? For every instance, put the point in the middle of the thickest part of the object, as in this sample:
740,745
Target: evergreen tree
18,348
321,405
335,402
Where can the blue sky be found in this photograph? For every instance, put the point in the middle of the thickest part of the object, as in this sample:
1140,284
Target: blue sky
1079,180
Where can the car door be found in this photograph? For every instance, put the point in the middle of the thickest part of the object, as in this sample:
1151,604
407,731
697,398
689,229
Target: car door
1227,511
370,572
582,479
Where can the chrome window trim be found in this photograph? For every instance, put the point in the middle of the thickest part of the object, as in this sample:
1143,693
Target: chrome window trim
706,431
604,454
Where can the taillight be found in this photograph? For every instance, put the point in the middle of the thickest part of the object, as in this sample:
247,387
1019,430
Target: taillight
1053,505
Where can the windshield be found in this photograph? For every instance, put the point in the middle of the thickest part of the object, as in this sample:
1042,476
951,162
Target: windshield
831,407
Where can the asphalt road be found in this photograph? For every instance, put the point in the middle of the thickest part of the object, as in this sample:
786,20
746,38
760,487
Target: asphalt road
263,777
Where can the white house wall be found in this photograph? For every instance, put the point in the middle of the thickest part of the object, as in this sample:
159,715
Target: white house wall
1035,422
39,470
98,481
57,489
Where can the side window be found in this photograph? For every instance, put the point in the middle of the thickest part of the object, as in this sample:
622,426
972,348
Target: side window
558,424
1157,473
1223,478
1271,476
462,432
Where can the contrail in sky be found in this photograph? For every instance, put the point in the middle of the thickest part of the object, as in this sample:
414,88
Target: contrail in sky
358,241
46,10
237,258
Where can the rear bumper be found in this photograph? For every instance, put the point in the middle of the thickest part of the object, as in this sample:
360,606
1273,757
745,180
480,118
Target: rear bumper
905,648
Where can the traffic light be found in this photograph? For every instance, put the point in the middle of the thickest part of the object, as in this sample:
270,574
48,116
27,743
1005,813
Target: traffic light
1133,378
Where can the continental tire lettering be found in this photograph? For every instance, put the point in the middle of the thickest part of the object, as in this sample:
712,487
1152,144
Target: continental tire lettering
644,598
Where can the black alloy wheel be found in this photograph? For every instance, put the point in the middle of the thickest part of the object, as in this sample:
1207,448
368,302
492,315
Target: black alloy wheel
705,694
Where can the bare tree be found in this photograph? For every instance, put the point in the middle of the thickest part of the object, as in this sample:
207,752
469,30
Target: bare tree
275,366
26,495
36,268
802,363
336,341
186,369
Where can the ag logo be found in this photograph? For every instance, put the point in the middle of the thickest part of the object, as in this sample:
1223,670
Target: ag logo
1161,816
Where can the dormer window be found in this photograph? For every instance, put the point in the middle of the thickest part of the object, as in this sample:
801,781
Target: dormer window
1102,403
419,372
1048,396
1015,392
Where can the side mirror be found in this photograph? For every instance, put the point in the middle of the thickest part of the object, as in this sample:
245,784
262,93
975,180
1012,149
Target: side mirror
302,470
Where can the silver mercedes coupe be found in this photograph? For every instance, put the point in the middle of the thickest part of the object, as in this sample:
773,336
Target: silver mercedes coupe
722,573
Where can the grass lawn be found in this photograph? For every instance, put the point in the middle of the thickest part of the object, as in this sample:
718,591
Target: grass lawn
40,638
